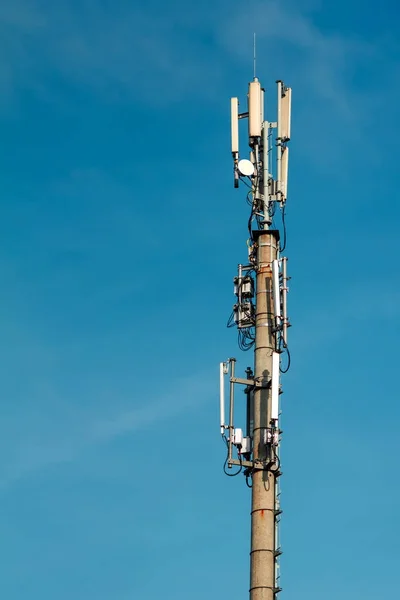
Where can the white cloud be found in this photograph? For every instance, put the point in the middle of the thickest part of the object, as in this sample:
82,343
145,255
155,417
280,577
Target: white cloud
161,56
120,53
290,42
38,440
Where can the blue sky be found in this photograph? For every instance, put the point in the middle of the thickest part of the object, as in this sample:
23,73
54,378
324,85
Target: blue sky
120,233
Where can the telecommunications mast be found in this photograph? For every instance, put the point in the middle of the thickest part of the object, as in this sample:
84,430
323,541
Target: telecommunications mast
260,315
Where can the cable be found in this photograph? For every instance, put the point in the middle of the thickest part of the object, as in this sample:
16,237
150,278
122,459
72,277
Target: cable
233,474
226,461
278,460
245,182
282,248
246,338
248,474
289,360
271,208
249,224
231,320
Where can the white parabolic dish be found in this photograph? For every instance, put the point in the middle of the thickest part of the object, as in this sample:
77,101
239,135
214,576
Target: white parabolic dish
246,167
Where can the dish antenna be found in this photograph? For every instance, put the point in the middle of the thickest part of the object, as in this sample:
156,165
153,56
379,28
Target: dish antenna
246,167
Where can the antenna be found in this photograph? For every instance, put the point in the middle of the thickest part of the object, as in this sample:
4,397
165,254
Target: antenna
260,316
275,387
235,127
254,101
222,396
235,139
276,292
282,137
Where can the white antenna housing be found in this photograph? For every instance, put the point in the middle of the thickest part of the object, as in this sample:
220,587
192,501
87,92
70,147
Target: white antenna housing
276,291
262,105
275,386
283,136
222,396
235,126
284,172
254,100
286,110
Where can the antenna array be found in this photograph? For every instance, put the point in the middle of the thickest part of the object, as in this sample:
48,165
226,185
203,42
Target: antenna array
260,316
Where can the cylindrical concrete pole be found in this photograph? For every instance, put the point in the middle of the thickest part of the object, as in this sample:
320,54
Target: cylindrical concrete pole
262,567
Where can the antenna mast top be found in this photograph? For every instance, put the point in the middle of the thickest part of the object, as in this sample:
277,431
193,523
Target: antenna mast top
254,55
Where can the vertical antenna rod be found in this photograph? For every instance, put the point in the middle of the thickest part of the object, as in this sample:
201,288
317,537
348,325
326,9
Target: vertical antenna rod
254,56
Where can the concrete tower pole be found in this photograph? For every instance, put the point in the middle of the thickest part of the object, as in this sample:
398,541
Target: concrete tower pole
263,510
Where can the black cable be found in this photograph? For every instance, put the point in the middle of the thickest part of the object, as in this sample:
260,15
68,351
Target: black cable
289,360
271,208
248,477
278,460
226,461
232,474
245,183
231,320
246,338
282,248
249,224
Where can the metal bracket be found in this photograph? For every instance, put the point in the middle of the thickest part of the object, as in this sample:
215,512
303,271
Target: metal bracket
251,382
241,463
254,467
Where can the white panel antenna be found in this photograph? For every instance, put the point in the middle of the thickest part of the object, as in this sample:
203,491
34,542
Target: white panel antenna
254,100
279,140
222,369
235,126
275,386
276,292
262,105
284,173
286,109
285,290
283,136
